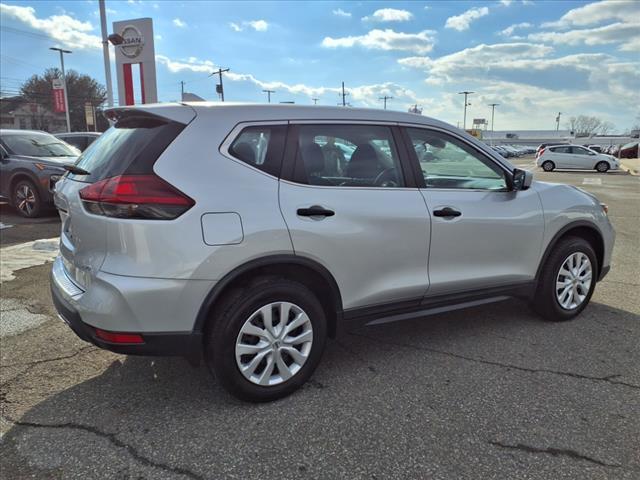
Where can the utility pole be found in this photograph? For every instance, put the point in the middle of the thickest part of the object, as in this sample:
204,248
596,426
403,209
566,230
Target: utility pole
64,84
269,92
315,100
385,98
344,96
181,90
493,110
558,121
105,52
219,87
464,120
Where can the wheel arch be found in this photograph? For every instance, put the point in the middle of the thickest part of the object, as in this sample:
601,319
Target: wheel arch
308,272
583,229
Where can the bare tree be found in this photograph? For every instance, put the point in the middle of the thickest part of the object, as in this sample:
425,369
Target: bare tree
587,126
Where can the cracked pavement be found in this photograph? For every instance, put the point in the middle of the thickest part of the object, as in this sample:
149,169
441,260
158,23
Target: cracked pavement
491,392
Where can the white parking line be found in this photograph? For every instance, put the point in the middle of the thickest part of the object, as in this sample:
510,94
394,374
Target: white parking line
4,225
592,181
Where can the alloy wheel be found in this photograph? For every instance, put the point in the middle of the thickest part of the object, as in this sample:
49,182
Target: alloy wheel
25,199
274,343
574,281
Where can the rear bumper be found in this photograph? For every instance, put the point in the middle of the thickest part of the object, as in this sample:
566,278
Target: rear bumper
187,344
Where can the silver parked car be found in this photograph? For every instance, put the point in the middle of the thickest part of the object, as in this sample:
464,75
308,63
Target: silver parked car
250,233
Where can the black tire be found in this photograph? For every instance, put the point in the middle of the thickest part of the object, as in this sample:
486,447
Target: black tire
230,316
548,166
26,199
602,167
545,301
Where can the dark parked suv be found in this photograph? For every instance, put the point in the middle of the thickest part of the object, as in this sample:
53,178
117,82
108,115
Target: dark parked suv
31,163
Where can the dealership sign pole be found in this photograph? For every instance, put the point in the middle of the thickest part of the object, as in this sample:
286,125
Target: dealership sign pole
64,85
58,95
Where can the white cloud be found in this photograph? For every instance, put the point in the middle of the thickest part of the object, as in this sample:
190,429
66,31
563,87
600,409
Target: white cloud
257,25
70,32
461,22
508,32
179,23
506,3
192,64
341,13
158,37
598,12
421,42
626,34
389,15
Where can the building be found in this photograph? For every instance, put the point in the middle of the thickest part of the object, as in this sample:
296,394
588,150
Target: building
18,113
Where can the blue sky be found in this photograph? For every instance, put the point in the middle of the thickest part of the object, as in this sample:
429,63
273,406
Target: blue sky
533,57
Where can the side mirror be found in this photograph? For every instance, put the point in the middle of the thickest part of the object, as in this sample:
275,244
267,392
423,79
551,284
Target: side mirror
521,179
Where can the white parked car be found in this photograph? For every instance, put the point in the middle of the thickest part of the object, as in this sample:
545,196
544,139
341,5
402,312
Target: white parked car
575,156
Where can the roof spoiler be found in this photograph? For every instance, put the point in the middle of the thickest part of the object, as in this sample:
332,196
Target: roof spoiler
176,112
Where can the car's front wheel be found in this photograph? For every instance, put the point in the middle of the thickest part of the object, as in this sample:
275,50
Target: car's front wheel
548,166
567,280
267,339
602,167
26,199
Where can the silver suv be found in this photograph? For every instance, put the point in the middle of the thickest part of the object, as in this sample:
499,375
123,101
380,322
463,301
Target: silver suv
248,234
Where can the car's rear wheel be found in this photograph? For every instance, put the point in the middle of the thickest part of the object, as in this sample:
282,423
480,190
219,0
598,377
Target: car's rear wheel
266,339
26,199
567,280
602,167
548,166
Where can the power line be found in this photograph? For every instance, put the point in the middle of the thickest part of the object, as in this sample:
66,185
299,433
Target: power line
385,98
219,87
268,92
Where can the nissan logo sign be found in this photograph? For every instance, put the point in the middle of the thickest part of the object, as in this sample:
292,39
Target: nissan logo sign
132,43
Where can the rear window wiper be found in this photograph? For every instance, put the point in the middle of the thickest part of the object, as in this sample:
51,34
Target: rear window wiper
76,170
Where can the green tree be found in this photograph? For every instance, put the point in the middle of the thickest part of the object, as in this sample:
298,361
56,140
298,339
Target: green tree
81,89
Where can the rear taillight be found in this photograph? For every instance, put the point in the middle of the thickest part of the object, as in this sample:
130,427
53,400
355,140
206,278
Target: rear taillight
135,196
118,337
541,151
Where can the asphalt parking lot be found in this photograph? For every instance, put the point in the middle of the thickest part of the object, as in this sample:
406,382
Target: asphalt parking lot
489,392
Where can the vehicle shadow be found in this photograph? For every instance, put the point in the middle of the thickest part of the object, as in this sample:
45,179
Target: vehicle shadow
157,408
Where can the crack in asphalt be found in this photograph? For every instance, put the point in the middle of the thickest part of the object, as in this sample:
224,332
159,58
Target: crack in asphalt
556,452
53,359
30,365
607,378
113,439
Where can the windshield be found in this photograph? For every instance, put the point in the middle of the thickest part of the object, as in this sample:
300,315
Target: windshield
38,145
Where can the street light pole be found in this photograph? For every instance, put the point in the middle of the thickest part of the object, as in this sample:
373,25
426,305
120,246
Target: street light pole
315,100
64,84
105,52
464,121
558,121
493,110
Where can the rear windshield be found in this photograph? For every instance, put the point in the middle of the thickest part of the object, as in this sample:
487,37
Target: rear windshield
130,146
38,145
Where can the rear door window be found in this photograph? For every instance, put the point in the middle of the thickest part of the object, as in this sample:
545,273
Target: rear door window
130,146
561,149
347,156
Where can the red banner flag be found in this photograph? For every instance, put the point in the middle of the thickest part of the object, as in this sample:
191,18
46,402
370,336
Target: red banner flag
58,96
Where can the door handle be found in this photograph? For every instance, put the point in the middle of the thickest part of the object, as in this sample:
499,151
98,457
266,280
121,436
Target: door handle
315,211
446,212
